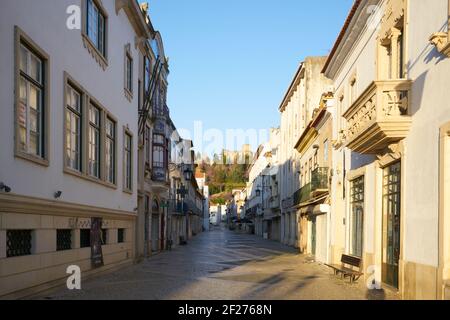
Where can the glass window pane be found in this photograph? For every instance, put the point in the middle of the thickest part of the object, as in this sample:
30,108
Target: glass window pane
101,33
35,98
34,121
23,59
22,139
36,69
34,144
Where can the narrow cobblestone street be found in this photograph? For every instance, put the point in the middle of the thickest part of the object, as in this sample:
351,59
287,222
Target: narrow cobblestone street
223,265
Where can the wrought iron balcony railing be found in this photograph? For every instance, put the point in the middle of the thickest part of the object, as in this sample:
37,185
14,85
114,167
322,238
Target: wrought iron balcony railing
319,179
178,207
319,184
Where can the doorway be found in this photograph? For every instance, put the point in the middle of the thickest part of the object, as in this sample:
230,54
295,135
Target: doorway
162,233
391,224
313,235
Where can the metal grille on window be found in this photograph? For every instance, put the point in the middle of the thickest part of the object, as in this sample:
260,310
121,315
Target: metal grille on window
85,238
63,240
121,235
104,235
18,243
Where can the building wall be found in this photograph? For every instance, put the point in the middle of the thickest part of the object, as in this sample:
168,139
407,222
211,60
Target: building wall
31,204
430,109
67,54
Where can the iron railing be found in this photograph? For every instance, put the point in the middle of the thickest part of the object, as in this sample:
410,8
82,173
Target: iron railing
319,179
18,243
319,182
177,206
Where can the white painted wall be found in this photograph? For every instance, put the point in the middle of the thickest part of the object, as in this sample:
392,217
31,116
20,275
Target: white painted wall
431,109
45,22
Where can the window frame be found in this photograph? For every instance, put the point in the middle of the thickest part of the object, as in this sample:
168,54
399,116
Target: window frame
128,73
158,145
87,101
20,38
128,188
108,138
100,57
68,82
357,197
101,126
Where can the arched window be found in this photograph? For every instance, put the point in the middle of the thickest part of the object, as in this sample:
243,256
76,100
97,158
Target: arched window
155,206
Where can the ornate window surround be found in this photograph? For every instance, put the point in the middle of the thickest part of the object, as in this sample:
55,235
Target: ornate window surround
441,40
392,24
101,59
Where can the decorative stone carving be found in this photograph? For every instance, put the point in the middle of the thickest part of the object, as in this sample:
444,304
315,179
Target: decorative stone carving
379,117
395,11
94,52
392,153
441,41
396,103
120,4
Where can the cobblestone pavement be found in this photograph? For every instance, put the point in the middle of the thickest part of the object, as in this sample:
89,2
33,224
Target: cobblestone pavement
223,265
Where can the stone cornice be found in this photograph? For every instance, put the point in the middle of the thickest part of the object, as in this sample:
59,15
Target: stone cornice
354,26
13,203
136,17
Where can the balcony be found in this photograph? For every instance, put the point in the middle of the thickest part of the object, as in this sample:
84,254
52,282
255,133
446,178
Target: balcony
318,186
319,181
160,179
379,117
177,207
274,203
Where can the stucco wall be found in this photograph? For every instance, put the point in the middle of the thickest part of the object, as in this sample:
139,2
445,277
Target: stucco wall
67,53
430,110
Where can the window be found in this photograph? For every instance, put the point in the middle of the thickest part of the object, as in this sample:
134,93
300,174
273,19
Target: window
147,70
18,243
90,137
128,168
31,88
121,235
73,128
353,91
316,160
148,154
85,238
391,54
310,170
128,73
96,26
63,239
357,216
340,110
110,151
104,237
325,152
158,151
94,142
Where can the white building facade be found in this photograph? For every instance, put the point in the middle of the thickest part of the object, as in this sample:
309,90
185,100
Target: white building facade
390,188
69,140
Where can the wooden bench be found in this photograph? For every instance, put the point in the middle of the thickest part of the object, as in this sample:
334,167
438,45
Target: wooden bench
346,269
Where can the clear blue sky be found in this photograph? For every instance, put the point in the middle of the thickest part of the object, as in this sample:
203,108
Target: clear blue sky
231,61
